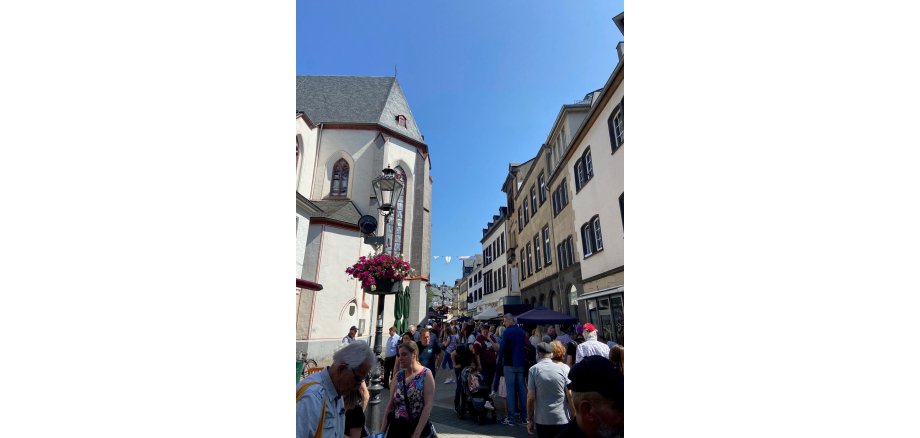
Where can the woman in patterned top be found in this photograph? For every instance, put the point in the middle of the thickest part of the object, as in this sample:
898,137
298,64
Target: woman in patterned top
411,398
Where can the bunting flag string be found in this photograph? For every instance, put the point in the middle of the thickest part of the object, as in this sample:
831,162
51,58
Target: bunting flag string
447,259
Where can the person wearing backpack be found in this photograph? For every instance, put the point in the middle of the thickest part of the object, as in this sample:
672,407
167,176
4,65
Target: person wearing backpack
320,406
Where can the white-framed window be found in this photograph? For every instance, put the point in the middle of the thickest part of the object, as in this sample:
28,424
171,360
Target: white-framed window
579,174
586,246
536,252
615,125
598,240
589,167
584,169
533,200
547,253
529,260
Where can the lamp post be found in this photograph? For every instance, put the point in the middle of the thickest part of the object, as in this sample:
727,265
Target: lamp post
388,187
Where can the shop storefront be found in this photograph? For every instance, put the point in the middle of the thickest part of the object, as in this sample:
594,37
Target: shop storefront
604,309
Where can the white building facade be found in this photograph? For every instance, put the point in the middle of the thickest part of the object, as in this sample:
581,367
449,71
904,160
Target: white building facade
348,130
595,169
494,265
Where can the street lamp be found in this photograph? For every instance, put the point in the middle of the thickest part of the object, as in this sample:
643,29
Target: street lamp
388,187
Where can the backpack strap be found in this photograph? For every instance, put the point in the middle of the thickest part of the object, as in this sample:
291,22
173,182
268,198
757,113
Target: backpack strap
322,416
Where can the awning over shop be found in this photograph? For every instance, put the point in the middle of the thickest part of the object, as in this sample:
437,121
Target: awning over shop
517,309
542,315
602,292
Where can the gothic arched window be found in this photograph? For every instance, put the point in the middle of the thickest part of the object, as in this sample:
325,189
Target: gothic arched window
398,221
339,179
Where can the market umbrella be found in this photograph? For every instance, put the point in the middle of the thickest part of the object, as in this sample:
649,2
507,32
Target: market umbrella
398,313
486,314
405,310
542,315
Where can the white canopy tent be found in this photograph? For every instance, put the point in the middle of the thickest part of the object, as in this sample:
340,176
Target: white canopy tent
486,314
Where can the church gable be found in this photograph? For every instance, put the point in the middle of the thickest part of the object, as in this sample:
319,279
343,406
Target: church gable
397,116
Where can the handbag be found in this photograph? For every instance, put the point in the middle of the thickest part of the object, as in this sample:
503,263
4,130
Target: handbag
428,426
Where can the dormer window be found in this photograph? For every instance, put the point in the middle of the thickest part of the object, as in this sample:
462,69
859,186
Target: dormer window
401,120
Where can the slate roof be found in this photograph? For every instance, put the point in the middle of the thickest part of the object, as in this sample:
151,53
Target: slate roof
356,99
343,211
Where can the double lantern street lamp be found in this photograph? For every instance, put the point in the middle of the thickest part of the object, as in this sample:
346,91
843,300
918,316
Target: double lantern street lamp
388,187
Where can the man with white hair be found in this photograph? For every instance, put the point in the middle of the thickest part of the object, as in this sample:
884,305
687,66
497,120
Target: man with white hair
591,346
319,396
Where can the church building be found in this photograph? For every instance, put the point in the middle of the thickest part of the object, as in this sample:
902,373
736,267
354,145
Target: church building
350,128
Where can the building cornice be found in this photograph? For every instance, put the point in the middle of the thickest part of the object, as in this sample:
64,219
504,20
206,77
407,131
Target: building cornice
422,147
333,223
616,270
616,78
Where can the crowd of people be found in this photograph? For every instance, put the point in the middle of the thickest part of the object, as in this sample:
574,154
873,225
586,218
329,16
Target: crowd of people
558,381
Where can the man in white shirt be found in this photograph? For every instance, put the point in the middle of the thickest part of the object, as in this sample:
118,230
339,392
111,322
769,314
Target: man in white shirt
351,335
591,346
390,360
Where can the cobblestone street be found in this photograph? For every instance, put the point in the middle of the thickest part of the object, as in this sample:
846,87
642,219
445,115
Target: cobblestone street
445,418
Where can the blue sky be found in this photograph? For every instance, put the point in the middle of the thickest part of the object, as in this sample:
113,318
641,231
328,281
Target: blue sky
485,81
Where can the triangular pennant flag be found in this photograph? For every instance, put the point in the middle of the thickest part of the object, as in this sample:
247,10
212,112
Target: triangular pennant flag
447,259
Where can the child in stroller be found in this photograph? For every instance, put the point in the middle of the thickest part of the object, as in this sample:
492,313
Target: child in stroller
475,397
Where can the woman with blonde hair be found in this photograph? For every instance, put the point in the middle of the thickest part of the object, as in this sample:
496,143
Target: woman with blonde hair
411,397
559,354
616,356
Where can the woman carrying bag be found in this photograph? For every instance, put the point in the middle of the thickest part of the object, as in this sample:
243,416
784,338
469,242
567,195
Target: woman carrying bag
411,398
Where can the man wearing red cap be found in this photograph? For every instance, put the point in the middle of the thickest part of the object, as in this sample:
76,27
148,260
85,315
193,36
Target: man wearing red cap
591,346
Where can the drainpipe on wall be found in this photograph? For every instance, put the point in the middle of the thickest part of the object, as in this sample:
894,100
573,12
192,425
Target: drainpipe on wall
319,143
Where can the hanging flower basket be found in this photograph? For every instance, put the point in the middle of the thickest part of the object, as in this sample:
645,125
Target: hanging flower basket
380,275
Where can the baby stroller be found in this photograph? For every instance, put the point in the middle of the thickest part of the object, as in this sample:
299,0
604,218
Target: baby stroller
477,402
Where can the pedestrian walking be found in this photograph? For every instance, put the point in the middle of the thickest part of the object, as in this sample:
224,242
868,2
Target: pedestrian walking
616,357
350,337
449,344
591,346
390,361
547,395
559,355
429,351
319,396
411,398
571,349
597,393
485,356
564,336
511,357
355,404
